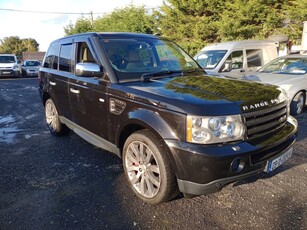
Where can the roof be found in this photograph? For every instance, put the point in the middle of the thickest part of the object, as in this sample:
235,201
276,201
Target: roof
109,35
7,54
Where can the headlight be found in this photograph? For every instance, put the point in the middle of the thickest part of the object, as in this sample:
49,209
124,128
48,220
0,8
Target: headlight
210,130
286,87
15,67
284,97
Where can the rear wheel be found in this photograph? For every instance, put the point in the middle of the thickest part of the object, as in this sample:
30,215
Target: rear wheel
52,118
148,169
298,103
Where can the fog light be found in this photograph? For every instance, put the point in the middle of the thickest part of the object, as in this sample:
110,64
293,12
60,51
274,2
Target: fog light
237,165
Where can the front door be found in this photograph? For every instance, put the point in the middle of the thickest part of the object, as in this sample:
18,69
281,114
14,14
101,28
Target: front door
88,97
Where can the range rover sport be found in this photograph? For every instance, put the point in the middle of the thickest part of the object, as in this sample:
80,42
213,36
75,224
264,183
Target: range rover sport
175,128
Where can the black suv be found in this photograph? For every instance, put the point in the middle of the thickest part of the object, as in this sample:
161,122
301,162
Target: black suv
176,129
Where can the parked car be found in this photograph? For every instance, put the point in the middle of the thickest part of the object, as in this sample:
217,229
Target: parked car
30,68
176,129
289,73
236,57
9,66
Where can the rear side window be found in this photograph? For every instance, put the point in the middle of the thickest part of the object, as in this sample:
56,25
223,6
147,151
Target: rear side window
66,59
51,59
253,58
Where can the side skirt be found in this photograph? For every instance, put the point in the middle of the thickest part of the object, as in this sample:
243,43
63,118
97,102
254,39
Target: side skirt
91,137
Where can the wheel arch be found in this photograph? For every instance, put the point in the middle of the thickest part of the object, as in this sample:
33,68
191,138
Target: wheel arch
45,97
145,119
300,91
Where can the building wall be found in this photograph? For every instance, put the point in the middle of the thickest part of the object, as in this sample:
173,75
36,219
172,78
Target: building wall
33,56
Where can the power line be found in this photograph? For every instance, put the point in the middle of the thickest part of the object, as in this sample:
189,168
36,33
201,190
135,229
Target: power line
54,12
47,12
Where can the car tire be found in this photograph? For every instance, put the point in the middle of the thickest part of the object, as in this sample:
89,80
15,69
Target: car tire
53,121
297,104
148,169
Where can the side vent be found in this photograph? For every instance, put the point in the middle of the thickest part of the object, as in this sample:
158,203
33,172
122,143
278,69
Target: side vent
117,106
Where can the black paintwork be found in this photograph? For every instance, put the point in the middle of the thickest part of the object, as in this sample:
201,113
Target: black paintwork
161,105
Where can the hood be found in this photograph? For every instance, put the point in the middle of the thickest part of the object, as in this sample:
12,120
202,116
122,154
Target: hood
32,67
205,95
7,65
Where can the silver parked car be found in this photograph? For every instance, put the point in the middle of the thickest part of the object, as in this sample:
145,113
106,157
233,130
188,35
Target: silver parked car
30,68
290,73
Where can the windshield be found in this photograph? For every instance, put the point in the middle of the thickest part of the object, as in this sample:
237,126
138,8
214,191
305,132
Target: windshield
32,63
7,59
209,59
285,65
132,58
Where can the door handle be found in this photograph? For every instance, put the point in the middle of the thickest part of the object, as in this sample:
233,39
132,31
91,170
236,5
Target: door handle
76,91
52,83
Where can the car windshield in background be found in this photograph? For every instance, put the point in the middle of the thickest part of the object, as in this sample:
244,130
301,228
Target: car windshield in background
132,58
32,63
286,66
209,59
7,59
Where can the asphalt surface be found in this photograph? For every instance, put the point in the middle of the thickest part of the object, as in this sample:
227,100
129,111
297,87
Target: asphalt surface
52,182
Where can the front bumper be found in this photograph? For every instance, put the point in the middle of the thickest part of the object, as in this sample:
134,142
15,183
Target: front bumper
205,169
9,73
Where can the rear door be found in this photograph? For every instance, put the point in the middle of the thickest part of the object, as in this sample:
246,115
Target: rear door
56,77
88,95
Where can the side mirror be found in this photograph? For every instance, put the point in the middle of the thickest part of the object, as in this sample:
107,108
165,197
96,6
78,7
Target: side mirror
88,70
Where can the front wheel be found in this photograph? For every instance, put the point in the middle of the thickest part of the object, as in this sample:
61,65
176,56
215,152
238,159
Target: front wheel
298,104
148,169
53,121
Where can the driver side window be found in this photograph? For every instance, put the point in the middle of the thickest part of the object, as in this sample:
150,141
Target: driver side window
84,54
234,61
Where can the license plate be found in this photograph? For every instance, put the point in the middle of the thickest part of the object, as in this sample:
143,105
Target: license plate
273,164
6,72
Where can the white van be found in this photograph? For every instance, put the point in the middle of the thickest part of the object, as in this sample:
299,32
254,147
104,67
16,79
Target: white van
9,66
236,57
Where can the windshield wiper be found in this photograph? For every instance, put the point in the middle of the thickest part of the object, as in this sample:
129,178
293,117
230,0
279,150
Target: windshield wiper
156,75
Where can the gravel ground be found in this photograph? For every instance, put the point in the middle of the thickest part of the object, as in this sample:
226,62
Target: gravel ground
65,183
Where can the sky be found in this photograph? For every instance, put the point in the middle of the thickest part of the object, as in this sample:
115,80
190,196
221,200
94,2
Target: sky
45,27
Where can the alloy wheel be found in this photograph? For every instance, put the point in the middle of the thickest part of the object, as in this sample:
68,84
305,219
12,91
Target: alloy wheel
142,169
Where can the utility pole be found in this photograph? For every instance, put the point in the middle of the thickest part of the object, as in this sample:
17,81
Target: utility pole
304,39
91,17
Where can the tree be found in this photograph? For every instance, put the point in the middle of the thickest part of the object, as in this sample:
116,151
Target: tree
191,23
249,19
29,44
195,23
15,45
82,25
295,15
127,19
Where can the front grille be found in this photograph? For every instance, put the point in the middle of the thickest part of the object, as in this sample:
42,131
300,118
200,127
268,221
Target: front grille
266,121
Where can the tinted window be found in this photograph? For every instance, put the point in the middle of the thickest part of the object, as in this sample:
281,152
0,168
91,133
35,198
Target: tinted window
66,58
51,59
32,63
7,59
253,58
131,58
